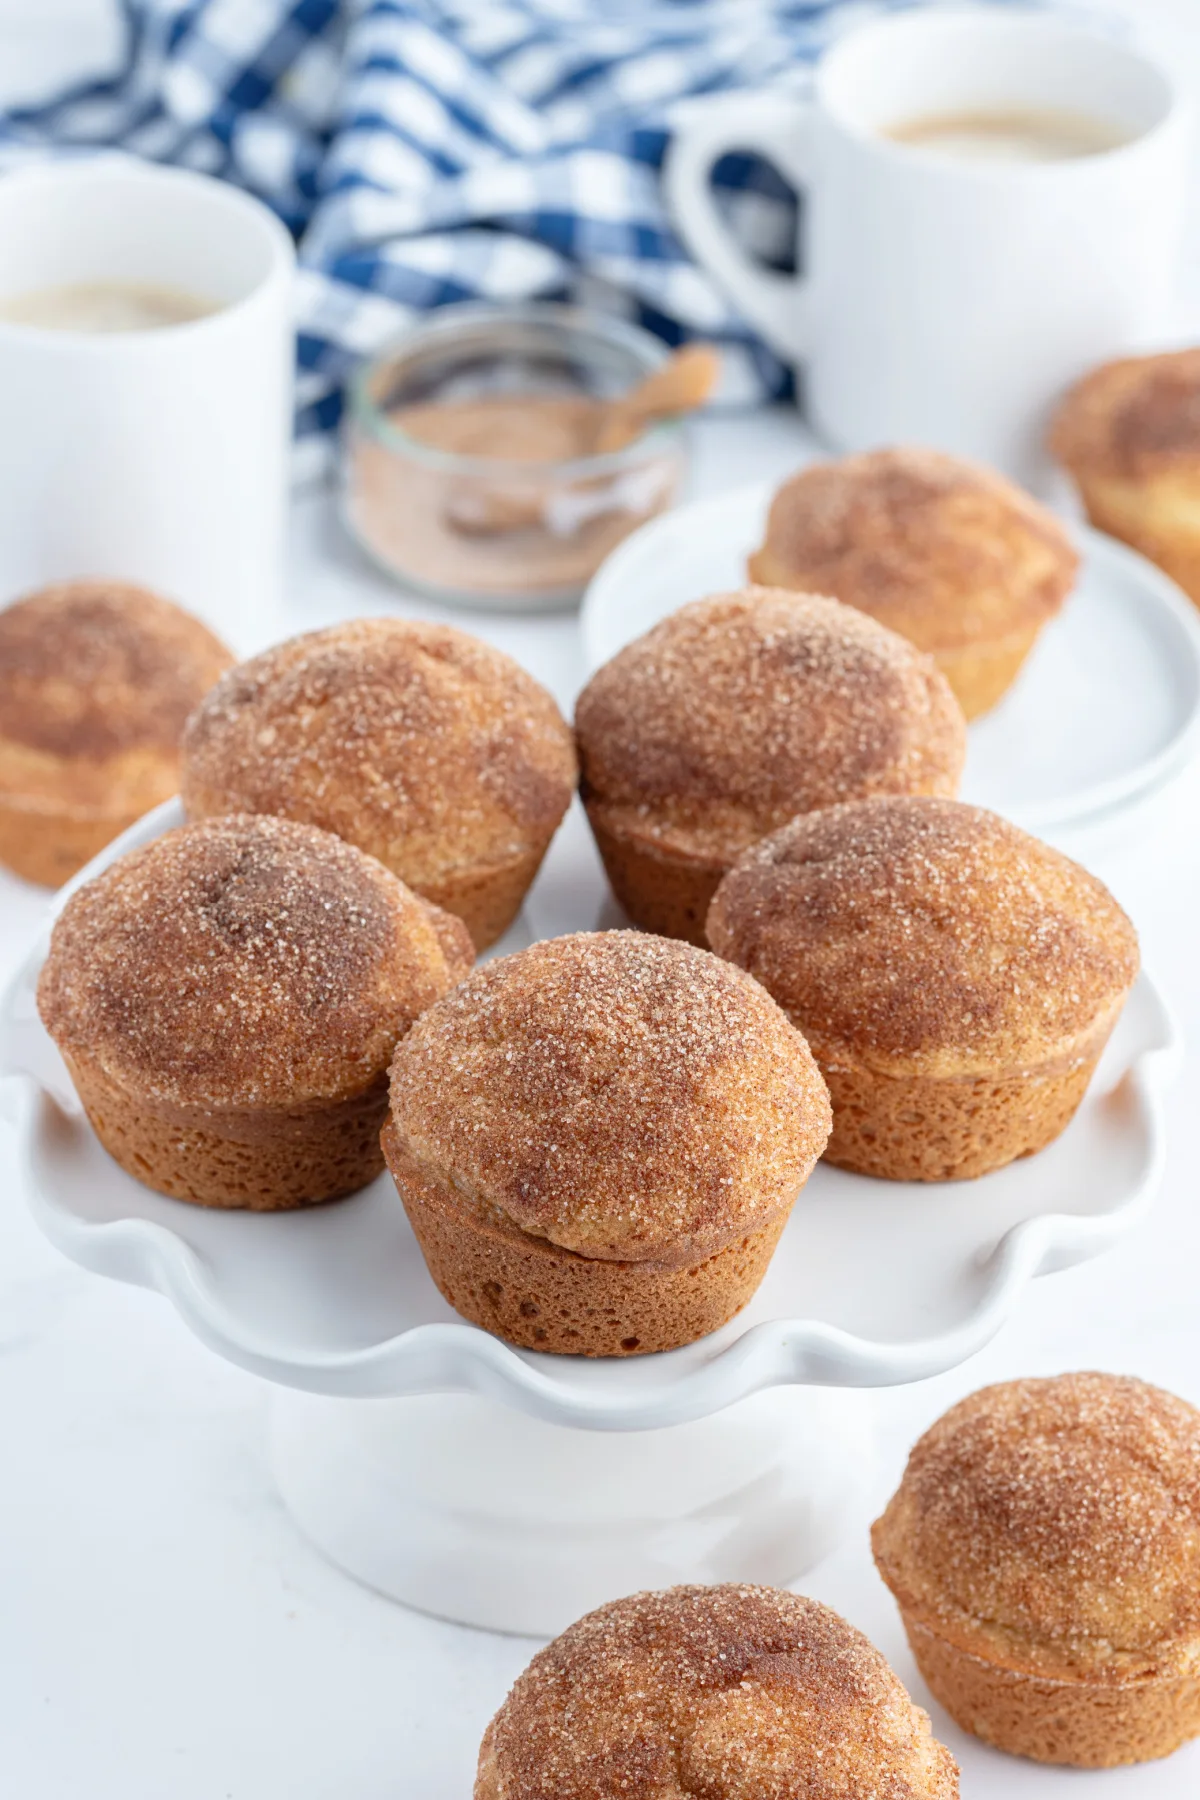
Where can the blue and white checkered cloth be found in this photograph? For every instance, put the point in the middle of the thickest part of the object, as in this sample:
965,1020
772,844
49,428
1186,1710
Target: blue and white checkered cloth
425,151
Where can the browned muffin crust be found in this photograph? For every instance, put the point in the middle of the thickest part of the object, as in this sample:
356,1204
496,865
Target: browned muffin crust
241,978
921,935
244,962
733,715
1044,1548
425,747
96,681
1132,418
599,1114
945,552
733,1693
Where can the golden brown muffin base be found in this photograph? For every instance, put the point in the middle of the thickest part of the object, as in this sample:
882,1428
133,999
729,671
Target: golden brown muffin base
265,1161
1090,1725
486,900
981,674
949,1128
47,845
668,895
539,1296
1158,515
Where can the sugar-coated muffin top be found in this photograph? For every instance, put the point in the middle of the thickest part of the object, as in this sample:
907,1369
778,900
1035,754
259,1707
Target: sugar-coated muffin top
1136,417
424,746
92,671
245,962
732,1693
1054,1525
942,550
621,1095
735,713
923,935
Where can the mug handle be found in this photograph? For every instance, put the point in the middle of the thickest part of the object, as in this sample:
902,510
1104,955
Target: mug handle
764,121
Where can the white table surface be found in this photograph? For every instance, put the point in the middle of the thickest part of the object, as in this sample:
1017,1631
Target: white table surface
165,1633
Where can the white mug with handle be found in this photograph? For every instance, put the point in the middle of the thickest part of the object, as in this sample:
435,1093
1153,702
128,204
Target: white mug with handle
157,456
947,299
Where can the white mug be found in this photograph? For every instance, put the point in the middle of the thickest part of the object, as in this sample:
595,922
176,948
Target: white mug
154,456
949,302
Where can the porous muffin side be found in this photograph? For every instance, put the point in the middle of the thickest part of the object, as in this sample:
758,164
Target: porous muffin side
955,978
1128,433
962,562
96,681
599,1140
733,1692
227,999
1044,1549
423,746
733,715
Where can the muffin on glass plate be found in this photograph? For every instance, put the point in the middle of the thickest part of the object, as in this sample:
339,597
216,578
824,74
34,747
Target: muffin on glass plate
423,746
96,681
227,1000
599,1140
956,978
722,1693
950,554
735,714
1044,1549
1128,434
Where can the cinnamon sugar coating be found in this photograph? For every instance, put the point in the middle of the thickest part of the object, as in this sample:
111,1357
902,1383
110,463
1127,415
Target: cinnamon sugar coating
918,935
423,746
96,681
1132,418
946,552
90,669
616,1095
737,712
244,963
1052,1527
730,1693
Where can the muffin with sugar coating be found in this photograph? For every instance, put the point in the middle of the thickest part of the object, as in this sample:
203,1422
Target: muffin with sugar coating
960,561
1044,1549
599,1140
735,714
956,978
96,681
730,1693
1128,434
425,747
227,1000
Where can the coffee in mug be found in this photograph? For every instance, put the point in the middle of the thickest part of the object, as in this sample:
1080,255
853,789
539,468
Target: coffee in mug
105,306
1031,134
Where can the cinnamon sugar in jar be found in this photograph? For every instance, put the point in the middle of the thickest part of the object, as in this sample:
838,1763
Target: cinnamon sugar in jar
467,468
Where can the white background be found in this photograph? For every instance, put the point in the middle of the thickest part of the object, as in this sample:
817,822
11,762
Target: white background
165,1634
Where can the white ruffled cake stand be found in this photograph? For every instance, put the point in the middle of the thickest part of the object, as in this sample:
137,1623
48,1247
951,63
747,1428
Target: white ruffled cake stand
514,1490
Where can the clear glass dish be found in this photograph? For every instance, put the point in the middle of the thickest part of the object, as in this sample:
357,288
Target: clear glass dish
512,518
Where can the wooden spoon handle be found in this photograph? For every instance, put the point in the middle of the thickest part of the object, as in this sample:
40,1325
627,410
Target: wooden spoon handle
683,383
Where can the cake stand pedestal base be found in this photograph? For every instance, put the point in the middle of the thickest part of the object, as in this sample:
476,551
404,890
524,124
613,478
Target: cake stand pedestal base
464,1508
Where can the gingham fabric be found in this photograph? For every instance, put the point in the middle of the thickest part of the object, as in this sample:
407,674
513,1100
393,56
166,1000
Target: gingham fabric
425,151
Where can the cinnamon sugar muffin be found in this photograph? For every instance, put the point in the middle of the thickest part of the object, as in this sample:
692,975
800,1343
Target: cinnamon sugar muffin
725,1693
599,1140
227,999
1129,434
1044,1549
96,680
951,555
733,715
423,746
956,978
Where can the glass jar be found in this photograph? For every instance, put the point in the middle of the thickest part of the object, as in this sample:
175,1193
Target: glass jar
500,510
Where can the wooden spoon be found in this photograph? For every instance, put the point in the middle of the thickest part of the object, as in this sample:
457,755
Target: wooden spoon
679,385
